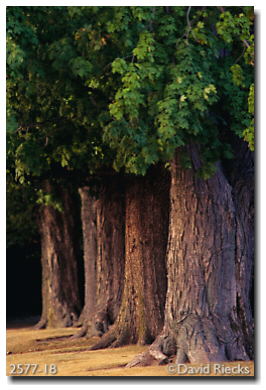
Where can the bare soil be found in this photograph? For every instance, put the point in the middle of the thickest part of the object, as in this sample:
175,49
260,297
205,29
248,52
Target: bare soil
41,352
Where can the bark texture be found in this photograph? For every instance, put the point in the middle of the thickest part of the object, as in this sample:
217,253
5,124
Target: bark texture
140,317
60,292
202,318
103,221
242,180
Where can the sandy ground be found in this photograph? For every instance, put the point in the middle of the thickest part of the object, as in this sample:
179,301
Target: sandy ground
53,353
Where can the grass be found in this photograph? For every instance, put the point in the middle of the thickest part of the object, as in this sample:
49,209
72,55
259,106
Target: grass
41,349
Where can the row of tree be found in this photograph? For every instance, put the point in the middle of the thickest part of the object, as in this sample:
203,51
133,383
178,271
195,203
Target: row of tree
147,113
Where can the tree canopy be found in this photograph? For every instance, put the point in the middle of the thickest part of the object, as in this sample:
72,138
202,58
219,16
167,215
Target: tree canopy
95,87
93,91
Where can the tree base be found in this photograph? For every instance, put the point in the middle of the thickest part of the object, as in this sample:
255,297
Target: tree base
81,333
41,324
156,354
66,322
120,334
109,340
194,340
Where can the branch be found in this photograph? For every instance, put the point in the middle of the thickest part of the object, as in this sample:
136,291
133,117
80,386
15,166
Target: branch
188,21
186,34
246,43
241,55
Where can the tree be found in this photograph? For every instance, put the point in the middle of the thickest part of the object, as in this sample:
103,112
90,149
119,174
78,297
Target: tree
202,312
241,178
103,220
132,89
65,67
39,159
168,106
59,239
141,314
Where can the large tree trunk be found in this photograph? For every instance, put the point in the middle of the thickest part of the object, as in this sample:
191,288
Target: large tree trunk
242,181
103,220
140,317
202,318
60,292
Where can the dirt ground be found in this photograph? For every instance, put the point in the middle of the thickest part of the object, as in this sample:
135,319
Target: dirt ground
51,352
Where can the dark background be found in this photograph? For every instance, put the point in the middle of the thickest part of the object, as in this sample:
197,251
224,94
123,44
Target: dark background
23,274
24,281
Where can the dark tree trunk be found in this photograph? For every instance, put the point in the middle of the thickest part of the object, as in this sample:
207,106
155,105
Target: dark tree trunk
242,181
140,317
103,220
202,320
60,292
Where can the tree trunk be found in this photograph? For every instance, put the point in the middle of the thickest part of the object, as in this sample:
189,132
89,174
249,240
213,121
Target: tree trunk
103,220
60,292
140,317
202,320
242,181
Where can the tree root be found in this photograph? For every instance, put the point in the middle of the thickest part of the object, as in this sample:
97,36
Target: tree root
158,353
142,360
69,320
107,341
97,325
194,340
41,324
81,333
115,338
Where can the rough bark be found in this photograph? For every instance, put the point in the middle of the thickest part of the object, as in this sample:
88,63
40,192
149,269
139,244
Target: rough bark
242,180
140,317
60,292
103,220
202,320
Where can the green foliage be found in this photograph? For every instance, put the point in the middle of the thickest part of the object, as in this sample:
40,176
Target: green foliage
249,133
49,199
237,75
21,227
50,108
170,94
91,88
94,88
